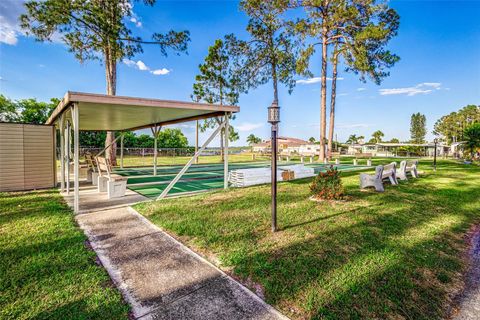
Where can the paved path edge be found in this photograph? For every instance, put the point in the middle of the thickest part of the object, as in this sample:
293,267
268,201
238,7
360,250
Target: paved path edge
248,291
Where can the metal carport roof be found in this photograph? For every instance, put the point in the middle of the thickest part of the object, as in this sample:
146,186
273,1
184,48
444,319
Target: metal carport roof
115,113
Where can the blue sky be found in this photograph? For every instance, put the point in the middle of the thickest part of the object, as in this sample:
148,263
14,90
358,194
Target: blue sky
439,70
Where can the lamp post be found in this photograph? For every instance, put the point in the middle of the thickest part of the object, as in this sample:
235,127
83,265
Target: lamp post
274,119
435,141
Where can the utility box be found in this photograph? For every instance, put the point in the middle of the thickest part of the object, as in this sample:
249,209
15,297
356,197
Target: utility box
27,156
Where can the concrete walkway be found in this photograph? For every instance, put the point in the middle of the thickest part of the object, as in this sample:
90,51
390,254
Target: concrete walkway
160,277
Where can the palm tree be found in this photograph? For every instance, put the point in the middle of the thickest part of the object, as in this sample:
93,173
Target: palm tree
253,139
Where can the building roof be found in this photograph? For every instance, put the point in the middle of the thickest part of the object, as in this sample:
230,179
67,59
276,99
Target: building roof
291,142
114,113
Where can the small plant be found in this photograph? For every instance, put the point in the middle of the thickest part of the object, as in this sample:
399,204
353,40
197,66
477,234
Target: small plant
327,185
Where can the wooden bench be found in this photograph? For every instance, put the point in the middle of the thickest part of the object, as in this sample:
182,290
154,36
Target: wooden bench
407,166
115,185
367,156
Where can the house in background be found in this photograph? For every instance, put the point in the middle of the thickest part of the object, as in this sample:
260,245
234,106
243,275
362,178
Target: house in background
286,145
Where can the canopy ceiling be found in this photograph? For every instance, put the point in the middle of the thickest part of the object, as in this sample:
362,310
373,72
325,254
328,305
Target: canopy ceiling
116,113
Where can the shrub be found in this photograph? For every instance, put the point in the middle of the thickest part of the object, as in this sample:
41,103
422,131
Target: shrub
327,185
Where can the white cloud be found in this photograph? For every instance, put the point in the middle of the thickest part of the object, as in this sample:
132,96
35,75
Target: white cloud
431,84
10,29
343,94
136,21
361,89
140,65
160,72
421,88
314,80
247,126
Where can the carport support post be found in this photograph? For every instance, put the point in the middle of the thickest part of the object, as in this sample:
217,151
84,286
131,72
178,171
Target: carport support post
67,157
196,141
62,153
76,154
155,131
225,154
122,135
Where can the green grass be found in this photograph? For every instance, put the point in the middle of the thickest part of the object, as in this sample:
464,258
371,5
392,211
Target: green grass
46,270
396,255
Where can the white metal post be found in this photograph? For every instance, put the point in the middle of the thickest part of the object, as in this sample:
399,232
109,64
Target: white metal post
62,153
67,157
225,152
76,154
155,131
121,149
196,141
189,163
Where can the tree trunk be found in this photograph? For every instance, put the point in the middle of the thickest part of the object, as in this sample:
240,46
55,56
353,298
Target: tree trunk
111,76
323,96
332,106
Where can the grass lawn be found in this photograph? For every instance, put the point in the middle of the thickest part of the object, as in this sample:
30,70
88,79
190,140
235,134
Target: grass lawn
46,270
396,255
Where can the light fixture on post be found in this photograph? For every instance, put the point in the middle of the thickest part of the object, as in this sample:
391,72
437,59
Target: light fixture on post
435,141
274,119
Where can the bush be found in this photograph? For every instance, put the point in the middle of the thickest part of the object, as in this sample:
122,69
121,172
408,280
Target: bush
328,185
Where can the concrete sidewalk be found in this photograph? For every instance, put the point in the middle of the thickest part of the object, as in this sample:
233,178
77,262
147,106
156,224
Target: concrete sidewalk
160,277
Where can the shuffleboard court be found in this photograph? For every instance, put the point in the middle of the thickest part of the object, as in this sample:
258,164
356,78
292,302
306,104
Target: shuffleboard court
198,178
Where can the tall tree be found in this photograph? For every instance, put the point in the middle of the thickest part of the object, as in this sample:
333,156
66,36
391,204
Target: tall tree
253,139
217,83
96,30
361,37
451,127
472,138
353,27
269,54
377,136
312,140
418,127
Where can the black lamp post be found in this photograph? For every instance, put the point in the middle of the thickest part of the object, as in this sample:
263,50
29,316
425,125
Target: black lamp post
274,119
435,141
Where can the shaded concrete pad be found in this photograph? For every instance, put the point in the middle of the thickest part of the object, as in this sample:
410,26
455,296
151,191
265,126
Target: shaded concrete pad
91,199
160,277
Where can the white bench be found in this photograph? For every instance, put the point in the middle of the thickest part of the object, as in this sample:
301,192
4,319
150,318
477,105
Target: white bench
407,166
115,185
375,180
389,171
